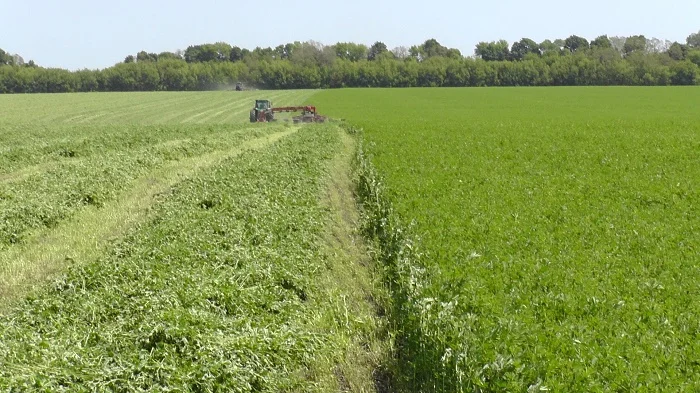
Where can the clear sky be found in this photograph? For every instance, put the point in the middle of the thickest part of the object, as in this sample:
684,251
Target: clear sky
78,34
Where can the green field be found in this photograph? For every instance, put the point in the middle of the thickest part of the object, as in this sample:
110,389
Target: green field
527,239
560,229
161,242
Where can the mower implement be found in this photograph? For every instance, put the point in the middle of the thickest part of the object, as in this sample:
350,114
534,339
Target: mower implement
265,112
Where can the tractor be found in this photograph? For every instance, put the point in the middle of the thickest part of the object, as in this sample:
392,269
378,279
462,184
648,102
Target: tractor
262,112
265,112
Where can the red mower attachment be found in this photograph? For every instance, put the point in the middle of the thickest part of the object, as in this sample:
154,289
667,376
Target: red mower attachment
264,112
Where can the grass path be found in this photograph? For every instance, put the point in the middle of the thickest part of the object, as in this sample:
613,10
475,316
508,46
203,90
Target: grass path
85,235
349,287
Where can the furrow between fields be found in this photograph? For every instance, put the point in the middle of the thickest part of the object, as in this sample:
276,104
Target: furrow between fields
83,237
349,288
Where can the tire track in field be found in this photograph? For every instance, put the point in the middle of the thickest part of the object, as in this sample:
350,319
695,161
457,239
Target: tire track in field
84,236
139,111
180,101
119,104
197,118
125,107
192,108
131,112
237,107
154,113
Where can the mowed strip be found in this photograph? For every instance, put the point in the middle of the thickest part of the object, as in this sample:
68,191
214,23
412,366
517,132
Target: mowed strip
83,237
219,292
141,108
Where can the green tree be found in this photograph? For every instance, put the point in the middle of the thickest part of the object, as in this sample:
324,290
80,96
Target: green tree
575,43
694,57
264,54
601,42
493,51
457,74
148,77
685,73
454,53
223,51
122,77
281,53
86,81
524,47
432,72
219,51
375,50
5,58
167,56
677,51
693,40
416,52
129,59
432,48
192,53
635,43
547,46
144,56
175,75
350,51
236,54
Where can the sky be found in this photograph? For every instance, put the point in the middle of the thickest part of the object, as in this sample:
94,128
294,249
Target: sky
77,34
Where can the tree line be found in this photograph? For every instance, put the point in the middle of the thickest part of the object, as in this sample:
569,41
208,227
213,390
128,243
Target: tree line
573,61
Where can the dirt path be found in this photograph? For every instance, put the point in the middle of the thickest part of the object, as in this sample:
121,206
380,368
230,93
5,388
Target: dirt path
85,235
349,283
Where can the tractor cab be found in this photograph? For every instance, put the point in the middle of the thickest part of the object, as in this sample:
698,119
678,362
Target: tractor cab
262,111
263,105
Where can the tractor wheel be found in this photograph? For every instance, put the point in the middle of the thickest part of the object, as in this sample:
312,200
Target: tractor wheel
253,118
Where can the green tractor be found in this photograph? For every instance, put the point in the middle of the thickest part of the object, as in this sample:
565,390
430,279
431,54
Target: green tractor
262,112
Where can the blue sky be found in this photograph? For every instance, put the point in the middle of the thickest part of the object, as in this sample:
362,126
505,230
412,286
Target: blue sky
78,34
